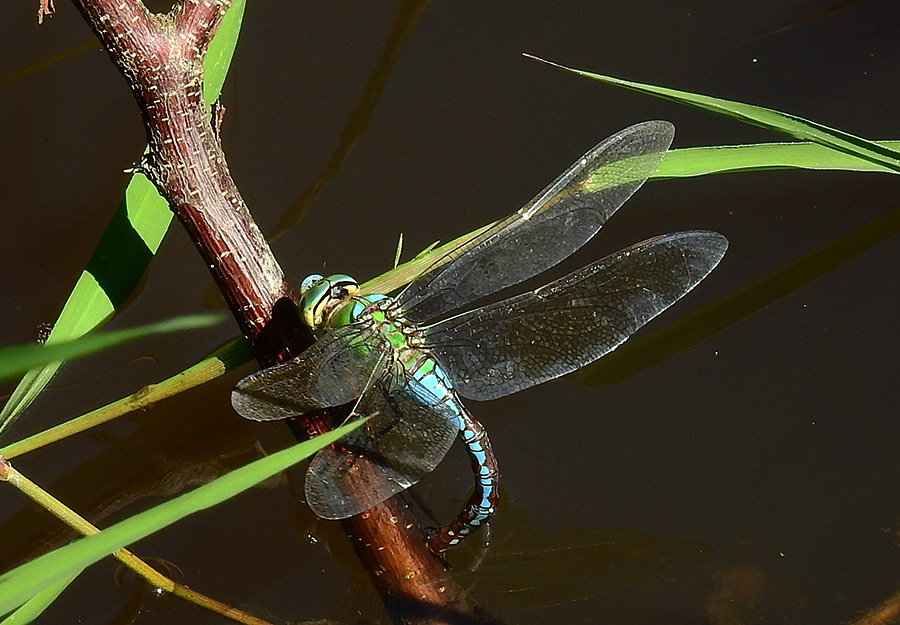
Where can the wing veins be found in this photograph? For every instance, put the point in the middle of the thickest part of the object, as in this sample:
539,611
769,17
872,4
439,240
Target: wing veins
542,334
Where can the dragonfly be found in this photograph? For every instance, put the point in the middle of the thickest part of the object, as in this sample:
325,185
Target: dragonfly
407,361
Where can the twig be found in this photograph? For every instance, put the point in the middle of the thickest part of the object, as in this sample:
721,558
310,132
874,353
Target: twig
161,57
86,528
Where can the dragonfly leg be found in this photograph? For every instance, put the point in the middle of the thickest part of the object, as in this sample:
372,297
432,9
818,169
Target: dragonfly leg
484,499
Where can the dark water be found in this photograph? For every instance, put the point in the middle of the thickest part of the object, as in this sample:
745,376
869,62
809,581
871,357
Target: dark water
752,478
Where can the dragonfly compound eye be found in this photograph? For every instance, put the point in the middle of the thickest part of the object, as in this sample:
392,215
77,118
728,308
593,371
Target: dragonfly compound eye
314,302
310,281
342,287
323,296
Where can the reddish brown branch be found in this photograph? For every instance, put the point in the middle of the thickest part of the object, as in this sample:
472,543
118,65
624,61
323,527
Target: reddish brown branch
199,21
161,56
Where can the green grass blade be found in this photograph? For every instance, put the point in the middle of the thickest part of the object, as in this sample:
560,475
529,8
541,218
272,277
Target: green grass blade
410,270
33,608
25,582
221,51
128,244
231,355
797,127
680,163
17,359
702,161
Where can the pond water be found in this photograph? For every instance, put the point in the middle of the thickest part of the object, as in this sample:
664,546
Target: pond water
749,478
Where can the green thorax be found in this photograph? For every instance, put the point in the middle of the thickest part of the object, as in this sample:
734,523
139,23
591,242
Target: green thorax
333,302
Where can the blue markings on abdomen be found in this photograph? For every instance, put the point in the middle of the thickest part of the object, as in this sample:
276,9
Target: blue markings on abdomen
431,386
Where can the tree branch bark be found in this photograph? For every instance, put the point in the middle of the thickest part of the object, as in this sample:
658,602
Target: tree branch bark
161,56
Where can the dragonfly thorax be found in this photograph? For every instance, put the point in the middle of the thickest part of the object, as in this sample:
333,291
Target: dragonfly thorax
332,302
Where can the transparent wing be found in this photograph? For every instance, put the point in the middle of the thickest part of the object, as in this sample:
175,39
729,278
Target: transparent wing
548,229
335,370
540,335
404,441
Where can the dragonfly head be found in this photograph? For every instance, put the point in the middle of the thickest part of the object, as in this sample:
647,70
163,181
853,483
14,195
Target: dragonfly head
321,297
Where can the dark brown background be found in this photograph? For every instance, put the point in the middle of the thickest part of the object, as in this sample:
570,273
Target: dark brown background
763,461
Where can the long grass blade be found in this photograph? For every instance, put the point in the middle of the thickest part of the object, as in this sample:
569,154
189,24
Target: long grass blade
16,359
35,606
702,161
797,127
27,581
229,356
127,246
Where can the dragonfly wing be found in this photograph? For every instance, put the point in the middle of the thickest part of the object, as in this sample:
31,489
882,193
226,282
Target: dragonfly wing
333,371
567,324
548,229
404,440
